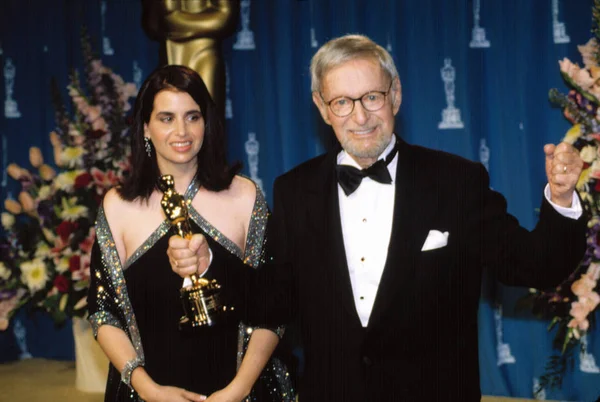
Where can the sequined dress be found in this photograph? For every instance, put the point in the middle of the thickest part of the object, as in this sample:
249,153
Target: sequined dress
142,298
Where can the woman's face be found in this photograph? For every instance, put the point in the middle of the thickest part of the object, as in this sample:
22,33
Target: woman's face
176,129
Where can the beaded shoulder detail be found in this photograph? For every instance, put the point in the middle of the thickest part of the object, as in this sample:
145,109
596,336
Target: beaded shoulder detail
111,267
256,230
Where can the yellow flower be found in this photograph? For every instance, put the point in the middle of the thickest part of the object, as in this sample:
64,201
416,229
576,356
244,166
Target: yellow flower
62,265
583,178
4,272
588,153
12,206
47,173
81,303
71,156
573,133
35,157
45,192
34,274
42,250
63,302
8,220
48,234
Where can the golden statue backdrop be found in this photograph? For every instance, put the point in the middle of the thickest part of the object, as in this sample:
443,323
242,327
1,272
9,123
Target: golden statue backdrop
190,32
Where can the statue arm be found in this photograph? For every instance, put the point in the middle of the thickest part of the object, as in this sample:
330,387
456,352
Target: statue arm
214,22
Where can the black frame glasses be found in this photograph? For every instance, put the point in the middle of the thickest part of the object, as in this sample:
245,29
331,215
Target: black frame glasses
361,99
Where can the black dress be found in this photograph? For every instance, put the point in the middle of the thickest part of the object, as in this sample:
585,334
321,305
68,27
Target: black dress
143,300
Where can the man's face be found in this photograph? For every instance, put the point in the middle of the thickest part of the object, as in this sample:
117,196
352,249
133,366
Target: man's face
363,134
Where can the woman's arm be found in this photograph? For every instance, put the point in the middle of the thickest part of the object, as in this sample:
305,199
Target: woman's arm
262,344
107,295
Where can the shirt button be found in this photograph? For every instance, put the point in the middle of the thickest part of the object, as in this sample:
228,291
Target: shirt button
362,298
367,361
364,220
362,259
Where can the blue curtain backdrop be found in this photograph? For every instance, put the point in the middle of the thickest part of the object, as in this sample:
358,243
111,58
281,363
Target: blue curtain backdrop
498,86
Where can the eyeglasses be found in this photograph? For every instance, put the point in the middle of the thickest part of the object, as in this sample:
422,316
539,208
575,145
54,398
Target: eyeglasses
372,101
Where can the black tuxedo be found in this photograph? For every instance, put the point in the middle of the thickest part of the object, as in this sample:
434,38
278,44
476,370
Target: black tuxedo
421,341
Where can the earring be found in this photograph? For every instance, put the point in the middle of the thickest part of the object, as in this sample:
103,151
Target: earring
148,146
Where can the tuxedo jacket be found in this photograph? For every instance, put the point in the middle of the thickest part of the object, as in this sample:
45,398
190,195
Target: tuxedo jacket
421,340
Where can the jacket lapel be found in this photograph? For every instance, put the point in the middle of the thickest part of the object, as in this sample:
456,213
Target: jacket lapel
409,229
325,223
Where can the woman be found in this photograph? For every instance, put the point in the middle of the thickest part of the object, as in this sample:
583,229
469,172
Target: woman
134,299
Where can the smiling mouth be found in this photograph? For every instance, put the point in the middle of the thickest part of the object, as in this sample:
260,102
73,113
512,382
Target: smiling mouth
363,132
181,144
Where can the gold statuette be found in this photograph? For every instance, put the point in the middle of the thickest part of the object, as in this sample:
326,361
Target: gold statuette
201,299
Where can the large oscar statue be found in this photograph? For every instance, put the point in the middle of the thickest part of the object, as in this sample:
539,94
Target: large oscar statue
201,299
190,32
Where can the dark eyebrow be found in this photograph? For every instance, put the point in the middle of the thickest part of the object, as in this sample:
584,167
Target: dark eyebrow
167,113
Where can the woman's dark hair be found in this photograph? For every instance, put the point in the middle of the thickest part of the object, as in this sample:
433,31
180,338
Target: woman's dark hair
213,172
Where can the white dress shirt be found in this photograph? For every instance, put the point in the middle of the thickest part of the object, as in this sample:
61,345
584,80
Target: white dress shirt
366,217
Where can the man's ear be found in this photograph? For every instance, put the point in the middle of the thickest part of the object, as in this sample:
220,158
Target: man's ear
320,103
396,95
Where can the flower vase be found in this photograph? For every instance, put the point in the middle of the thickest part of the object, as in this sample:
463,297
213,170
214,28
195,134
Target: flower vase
91,364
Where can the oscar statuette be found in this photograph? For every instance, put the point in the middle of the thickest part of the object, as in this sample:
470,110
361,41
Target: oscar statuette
201,299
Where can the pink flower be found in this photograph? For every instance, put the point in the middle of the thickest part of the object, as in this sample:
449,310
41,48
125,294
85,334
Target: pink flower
582,325
7,306
583,286
83,273
581,77
47,173
35,157
593,271
578,311
588,52
27,201
99,124
104,180
590,301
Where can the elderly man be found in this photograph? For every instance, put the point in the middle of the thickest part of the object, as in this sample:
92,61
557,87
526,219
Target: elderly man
381,244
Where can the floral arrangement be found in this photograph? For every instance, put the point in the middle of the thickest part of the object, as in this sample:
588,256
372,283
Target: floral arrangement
50,226
571,306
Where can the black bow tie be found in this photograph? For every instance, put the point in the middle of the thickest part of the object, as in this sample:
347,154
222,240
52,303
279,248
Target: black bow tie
350,177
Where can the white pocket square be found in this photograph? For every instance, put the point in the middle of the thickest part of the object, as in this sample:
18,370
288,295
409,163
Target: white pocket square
435,239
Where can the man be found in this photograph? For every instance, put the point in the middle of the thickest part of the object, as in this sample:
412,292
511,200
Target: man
385,277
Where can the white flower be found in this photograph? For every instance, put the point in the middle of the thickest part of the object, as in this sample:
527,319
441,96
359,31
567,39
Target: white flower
71,211
4,272
66,180
588,153
71,156
34,274
62,265
8,220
